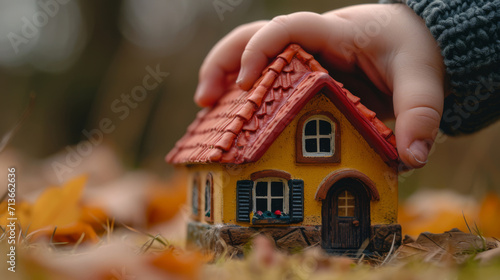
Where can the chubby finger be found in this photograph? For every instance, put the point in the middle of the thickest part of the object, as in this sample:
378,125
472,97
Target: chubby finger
223,59
310,30
418,106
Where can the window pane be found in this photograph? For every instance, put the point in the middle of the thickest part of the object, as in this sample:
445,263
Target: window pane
261,189
325,128
325,145
350,212
208,199
261,204
310,128
311,146
277,204
194,200
276,188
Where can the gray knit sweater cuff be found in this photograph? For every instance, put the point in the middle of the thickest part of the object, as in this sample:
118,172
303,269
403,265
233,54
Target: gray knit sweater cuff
468,33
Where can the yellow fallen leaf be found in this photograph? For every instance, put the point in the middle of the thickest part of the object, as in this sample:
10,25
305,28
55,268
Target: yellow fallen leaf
22,213
58,206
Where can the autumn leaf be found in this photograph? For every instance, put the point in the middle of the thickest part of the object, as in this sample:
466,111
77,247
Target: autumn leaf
58,206
488,215
70,233
94,216
22,212
436,211
180,264
164,203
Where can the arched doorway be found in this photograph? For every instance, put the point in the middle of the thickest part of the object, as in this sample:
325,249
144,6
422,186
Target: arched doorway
346,215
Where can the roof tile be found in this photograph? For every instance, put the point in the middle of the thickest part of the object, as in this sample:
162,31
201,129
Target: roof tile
252,125
246,111
214,155
277,65
226,141
243,124
235,125
315,66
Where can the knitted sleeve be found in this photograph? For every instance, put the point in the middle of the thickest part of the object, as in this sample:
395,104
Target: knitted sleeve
468,33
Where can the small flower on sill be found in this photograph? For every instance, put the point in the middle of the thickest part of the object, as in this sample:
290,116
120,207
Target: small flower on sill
277,213
259,213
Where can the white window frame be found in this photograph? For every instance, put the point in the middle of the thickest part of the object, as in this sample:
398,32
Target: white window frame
317,118
268,196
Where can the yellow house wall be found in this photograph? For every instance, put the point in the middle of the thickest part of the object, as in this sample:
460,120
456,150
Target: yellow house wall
355,153
202,171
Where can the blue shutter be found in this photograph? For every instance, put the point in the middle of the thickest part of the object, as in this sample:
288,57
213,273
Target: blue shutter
296,200
243,200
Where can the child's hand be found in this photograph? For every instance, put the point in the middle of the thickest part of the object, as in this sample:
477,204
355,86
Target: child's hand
390,43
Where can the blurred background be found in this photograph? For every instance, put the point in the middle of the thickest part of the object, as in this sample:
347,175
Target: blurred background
81,59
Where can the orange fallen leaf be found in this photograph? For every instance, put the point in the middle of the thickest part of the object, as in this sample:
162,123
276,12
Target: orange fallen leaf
181,264
70,233
441,221
58,206
488,215
164,203
436,211
95,216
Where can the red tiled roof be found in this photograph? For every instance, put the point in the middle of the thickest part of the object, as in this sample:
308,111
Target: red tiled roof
242,124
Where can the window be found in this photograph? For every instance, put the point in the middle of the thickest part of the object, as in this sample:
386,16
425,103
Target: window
259,199
195,195
209,198
317,138
269,195
346,204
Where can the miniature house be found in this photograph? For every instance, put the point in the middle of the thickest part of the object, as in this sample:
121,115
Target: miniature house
297,158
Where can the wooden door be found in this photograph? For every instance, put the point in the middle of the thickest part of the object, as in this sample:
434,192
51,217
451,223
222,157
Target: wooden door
346,215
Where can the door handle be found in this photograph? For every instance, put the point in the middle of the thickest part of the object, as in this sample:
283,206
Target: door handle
355,223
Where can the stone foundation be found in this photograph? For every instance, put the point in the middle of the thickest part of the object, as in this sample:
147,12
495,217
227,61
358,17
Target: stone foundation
234,239
382,237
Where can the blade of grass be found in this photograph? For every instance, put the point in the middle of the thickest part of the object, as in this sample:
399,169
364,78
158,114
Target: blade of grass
78,243
467,224
390,250
158,237
145,247
52,237
362,248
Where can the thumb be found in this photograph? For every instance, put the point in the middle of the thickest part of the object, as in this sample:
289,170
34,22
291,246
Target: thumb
418,106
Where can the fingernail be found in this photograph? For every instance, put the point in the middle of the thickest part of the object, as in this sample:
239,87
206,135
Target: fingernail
419,150
199,92
240,77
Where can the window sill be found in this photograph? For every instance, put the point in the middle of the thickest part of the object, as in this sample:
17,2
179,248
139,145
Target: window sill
270,219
